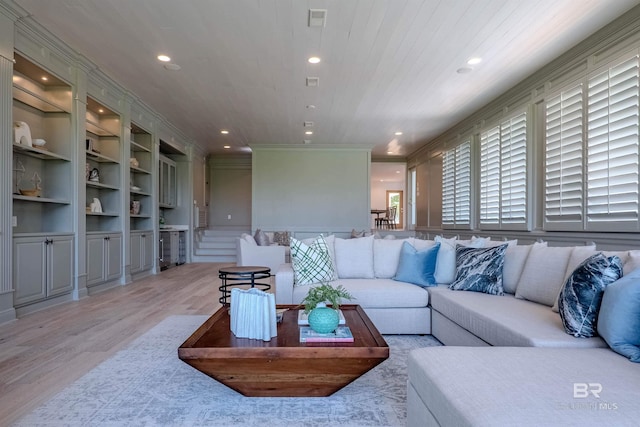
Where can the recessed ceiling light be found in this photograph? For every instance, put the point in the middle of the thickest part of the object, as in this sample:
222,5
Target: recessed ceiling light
226,147
397,171
44,78
224,132
308,132
464,70
474,61
164,58
311,107
398,133
389,152
314,60
100,110
172,67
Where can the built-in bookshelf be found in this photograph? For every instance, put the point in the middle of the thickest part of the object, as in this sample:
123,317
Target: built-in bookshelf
103,175
141,167
42,141
42,184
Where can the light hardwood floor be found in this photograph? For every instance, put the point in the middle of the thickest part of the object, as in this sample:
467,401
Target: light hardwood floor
42,353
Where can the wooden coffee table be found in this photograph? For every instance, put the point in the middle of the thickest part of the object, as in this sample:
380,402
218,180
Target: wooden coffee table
284,367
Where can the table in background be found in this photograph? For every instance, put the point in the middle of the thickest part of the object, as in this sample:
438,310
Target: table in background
239,276
378,212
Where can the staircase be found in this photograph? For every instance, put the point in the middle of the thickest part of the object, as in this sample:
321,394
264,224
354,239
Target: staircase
217,245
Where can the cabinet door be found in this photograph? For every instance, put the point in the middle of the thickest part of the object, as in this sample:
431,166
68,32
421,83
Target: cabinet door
113,262
136,251
147,251
95,259
29,269
60,265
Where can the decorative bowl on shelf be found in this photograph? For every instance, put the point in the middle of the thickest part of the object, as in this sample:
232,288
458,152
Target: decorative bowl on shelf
39,142
35,192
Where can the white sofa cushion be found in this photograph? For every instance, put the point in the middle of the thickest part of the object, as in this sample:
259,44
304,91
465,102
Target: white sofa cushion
464,386
514,261
505,320
354,258
378,293
544,274
386,256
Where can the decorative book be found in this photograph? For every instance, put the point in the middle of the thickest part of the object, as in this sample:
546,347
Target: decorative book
341,334
303,318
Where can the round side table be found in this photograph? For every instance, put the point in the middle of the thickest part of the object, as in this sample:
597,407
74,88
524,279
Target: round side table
242,276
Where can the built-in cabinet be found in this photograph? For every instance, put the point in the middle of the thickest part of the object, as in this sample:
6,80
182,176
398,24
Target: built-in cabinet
84,193
42,267
167,183
42,178
142,245
104,257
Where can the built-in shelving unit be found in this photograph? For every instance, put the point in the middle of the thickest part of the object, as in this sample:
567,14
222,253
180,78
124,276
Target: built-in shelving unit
103,178
42,201
45,108
141,167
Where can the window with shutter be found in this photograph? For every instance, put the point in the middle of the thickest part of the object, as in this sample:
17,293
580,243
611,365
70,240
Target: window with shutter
564,160
456,186
503,175
612,148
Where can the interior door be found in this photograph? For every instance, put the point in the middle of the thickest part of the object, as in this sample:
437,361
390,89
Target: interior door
396,198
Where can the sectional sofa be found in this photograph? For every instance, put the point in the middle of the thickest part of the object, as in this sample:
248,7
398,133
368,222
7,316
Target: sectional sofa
529,371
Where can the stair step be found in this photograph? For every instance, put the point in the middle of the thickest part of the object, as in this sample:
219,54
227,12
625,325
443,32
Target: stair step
216,244
216,252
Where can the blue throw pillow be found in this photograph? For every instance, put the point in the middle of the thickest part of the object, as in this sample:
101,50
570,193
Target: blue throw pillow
580,297
479,270
417,266
619,318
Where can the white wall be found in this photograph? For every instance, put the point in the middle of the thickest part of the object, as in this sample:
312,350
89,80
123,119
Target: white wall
310,190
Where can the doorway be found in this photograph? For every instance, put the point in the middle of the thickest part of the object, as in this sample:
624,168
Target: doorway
396,198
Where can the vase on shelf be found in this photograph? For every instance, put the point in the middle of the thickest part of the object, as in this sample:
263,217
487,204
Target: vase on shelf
323,319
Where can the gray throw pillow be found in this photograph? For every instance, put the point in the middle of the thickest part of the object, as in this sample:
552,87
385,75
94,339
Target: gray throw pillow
261,238
479,269
282,238
580,298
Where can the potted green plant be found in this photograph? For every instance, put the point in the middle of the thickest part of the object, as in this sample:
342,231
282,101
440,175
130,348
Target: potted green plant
323,319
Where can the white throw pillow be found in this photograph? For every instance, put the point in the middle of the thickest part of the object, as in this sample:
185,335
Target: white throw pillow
386,256
354,258
514,261
446,263
421,244
543,274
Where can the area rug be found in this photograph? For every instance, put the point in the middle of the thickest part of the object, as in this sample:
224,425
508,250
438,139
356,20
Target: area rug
146,384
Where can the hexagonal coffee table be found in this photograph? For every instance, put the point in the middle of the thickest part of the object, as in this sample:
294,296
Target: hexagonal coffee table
284,367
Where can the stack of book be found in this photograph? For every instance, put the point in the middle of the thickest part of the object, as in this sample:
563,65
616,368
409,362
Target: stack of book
341,334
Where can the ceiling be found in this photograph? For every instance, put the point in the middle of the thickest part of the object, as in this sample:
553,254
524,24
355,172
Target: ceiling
386,65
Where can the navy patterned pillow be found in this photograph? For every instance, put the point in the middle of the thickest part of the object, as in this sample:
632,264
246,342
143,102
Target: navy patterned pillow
580,297
479,269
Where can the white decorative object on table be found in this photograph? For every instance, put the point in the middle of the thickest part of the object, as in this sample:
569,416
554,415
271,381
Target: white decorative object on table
22,134
253,314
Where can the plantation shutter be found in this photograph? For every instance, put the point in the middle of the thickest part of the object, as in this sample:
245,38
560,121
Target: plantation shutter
612,144
490,176
456,186
448,187
513,170
564,160
463,184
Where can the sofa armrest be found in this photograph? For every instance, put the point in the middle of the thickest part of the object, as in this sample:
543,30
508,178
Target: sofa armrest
267,256
284,284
